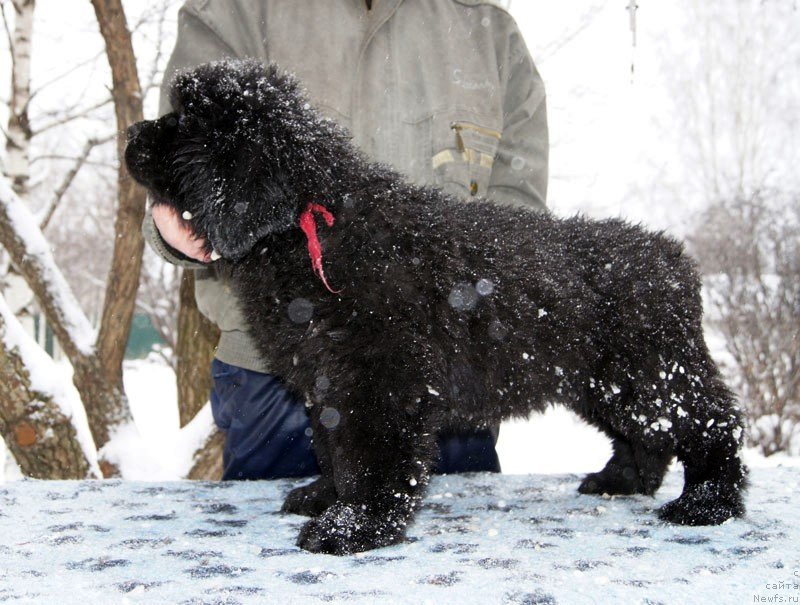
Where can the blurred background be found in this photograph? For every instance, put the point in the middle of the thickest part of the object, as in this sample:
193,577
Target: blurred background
682,116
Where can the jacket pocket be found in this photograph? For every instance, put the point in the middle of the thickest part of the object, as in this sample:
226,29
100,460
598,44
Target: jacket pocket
463,149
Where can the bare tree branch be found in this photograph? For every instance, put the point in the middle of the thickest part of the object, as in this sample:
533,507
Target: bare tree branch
6,136
194,352
75,67
155,67
748,249
7,27
586,19
70,117
52,205
73,158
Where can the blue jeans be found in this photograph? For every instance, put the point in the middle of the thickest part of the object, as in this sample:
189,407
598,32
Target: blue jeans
268,433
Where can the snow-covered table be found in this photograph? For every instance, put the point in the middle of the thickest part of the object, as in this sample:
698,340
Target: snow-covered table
479,539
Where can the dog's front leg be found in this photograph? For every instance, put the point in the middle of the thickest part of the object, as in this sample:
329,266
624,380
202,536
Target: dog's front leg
314,498
381,460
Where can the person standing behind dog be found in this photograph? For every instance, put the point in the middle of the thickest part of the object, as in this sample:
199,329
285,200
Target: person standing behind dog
443,90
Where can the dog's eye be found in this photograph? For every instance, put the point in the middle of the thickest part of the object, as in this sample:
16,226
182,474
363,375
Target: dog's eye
172,122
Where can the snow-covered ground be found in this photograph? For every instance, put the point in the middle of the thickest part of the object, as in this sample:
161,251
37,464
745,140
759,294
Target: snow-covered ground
479,539
522,537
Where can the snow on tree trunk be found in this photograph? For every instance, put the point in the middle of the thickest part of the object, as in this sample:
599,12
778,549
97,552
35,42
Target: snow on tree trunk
40,420
104,400
208,459
17,165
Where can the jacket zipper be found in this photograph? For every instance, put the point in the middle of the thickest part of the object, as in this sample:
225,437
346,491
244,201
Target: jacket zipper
459,126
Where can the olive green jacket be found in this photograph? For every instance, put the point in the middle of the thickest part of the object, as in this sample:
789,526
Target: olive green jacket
443,90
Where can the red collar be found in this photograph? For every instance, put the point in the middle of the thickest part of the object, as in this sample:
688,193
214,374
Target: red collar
308,224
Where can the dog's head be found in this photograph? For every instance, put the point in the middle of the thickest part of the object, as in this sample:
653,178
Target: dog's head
239,155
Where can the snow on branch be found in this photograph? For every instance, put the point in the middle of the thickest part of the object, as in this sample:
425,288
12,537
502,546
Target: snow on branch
41,415
30,253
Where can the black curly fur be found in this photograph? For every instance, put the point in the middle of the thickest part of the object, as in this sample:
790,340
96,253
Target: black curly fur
450,314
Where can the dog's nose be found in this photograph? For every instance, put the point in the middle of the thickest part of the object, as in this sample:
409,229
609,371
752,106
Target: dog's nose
134,130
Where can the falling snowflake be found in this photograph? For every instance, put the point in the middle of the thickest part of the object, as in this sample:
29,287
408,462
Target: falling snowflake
301,310
329,418
463,297
484,287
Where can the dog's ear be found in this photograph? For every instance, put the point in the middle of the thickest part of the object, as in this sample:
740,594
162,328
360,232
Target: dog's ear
239,218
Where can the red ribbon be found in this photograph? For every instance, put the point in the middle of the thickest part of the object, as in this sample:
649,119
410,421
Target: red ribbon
308,224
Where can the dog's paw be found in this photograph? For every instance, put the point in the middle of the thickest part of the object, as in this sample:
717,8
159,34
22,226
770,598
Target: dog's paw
626,482
704,504
344,529
310,500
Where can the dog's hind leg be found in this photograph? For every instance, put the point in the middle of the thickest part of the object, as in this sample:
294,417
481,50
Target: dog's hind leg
380,468
708,440
639,462
678,405
631,470
620,475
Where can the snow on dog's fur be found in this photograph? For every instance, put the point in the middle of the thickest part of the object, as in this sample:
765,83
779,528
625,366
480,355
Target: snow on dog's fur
399,311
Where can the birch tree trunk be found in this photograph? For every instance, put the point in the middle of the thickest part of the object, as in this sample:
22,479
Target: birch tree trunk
18,129
17,168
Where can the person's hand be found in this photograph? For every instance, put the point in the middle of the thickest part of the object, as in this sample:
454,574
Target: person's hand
178,234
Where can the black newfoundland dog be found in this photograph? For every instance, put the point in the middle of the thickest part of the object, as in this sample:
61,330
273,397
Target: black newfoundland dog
399,311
